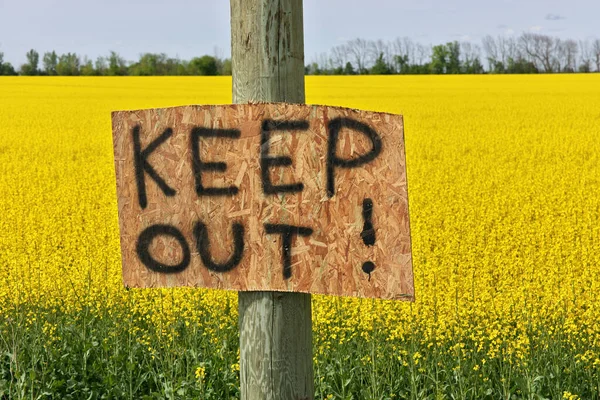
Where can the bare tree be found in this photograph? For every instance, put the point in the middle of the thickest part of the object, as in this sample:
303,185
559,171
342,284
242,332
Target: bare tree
325,62
541,50
422,53
469,52
404,47
380,48
359,50
500,50
596,53
566,55
511,49
403,50
339,56
491,50
585,56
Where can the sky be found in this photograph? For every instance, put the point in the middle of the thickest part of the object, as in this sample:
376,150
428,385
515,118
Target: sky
185,28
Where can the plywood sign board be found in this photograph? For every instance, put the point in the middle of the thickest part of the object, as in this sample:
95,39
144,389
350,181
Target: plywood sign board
264,197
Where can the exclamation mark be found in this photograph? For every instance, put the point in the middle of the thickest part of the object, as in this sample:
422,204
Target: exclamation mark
368,233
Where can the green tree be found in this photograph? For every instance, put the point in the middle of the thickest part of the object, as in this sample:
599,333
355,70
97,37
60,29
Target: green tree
585,66
226,68
170,67
1,63
223,66
50,62
87,68
496,67
68,65
148,65
439,59
182,68
205,65
453,52
155,64
349,69
31,67
6,68
313,69
420,69
380,67
402,65
116,65
474,67
100,65
520,66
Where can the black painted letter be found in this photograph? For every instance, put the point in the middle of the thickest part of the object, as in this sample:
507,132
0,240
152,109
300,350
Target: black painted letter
141,164
287,233
266,161
203,247
145,239
334,127
199,166
368,232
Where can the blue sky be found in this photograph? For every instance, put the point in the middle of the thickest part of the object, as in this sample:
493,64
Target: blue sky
186,28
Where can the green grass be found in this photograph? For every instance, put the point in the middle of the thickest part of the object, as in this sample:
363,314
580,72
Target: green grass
97,354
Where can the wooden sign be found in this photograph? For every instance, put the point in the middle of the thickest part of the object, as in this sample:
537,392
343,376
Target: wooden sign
264,197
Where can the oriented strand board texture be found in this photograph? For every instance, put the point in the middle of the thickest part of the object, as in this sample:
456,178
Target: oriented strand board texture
181,234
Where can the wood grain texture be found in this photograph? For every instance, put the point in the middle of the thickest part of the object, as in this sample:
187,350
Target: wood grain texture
275,345
328,261
267,51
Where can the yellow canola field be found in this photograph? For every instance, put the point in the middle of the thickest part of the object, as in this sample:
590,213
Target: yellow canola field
504,197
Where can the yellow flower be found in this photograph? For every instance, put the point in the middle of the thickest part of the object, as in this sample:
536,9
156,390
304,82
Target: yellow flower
504,195
200,373
570,396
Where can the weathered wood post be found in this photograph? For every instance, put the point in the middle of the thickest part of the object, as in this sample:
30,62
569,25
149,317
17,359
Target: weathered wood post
267,52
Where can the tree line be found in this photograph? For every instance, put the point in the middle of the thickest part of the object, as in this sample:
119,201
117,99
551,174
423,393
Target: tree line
527,53
149,64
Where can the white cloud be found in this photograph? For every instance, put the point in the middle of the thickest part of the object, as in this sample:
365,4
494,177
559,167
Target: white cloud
535,28
509,31
554,17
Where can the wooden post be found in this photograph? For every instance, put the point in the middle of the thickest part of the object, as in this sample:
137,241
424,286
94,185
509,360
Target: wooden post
267,52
